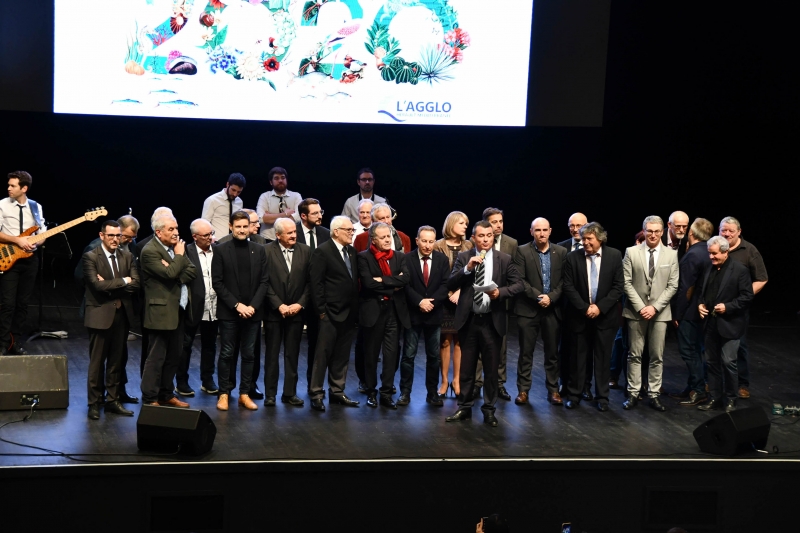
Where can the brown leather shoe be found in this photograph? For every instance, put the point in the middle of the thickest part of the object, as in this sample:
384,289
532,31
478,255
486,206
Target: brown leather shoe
247,403
173,402
743,393
554,398
522,398
222,402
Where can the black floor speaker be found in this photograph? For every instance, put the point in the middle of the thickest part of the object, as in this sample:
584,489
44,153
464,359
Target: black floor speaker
25,378
735,432
170,429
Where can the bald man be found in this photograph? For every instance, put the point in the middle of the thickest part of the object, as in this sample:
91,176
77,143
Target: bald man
675,237
576,222
538,308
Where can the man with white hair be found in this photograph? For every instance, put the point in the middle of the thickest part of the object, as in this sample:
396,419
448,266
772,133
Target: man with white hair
650,271
675,238
726,295
747,254
165,272
333,275
383,213
364,216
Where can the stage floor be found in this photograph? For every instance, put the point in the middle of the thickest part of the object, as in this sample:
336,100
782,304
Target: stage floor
417,431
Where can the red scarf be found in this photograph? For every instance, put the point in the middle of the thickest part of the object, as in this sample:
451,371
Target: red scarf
383,259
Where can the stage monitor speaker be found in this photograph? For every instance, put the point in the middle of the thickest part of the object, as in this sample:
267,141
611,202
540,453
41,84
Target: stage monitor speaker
170,429
735,432
26,378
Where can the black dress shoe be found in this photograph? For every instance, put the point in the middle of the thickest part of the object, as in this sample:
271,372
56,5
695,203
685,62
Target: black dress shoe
256,394
476,392
342,399
630,403
386,401
292,400
94,412
569,404
362,388
317,405
117,409
404,399
693,399
587,395
269,401
124,397
681,395
372,400
490,419
503,393
730,405
710,406
656,404
461,414
602,407
436,401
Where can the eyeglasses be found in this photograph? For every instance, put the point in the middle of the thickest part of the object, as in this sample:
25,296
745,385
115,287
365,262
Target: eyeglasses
680,226
348,230
320,212
205,236
653,231
366,179
113,235
575,226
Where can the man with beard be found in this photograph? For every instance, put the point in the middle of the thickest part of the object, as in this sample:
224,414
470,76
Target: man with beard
675,238
366,183
217,208
280,202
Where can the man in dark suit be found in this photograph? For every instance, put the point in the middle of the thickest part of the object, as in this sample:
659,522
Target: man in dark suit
165,273
726,294
311,233
203,317
110,278
481,316
239,277
334,290
288,296
574,224
508,245
685,314
382,311
426,293
539,309
254,394
675,236
593,286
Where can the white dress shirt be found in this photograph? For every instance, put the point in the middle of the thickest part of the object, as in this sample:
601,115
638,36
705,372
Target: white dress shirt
269,203
359,228
597,261
110,264
210,304
9,217
655,256
287,257
307,234
217,210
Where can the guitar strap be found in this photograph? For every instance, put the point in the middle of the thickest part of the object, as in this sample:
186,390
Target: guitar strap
35,212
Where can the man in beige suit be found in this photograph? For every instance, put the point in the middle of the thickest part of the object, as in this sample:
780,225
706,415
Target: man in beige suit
651,271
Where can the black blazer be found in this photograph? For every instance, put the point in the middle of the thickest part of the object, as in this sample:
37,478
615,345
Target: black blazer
504,274
528,264
567,245
416,290
101,295
197,287
372,291
258,239
225,280
323,234
609,290
681,249
333,291
684,303
287,288
736,292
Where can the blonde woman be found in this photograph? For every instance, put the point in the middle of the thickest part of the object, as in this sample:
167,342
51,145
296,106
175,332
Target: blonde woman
454,242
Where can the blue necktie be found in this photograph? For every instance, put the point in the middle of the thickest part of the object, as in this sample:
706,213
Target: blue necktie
347,261
184,291
593,278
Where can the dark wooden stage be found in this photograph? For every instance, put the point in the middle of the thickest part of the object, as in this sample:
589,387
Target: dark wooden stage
288,455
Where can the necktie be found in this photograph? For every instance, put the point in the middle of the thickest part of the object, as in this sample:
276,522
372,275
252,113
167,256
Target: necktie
288,254
652,266
593,278
184,291
577,245
20,220
478,296
312,242
282,205
425,272
230,210
347,261
117,302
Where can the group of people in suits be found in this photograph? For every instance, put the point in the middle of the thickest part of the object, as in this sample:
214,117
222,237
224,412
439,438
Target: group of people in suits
360,281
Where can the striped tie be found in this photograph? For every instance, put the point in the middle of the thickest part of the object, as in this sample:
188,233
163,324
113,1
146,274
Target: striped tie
479,271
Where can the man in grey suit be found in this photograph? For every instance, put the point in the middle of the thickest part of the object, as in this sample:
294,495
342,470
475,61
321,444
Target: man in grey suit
165,273
650,271
288,296
538,308
110,278
507,245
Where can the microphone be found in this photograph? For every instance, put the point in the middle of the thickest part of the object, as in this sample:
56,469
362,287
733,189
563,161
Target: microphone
483,254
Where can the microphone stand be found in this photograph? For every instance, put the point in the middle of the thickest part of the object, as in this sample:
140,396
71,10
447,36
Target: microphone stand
65,251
